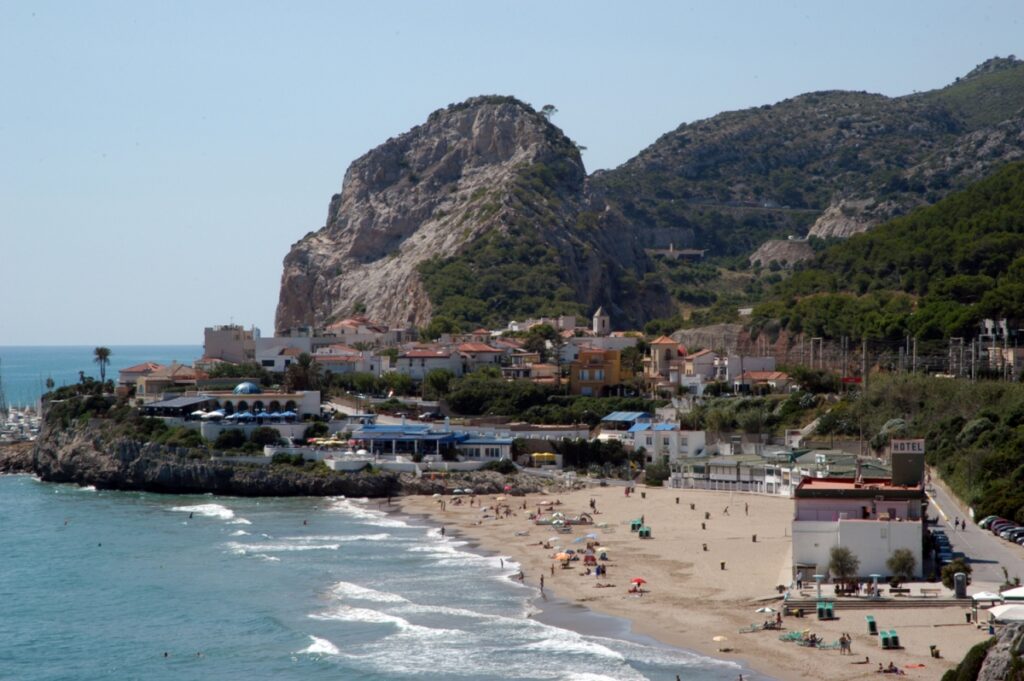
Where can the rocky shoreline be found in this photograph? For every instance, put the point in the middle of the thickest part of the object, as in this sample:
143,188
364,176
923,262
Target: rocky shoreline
83,455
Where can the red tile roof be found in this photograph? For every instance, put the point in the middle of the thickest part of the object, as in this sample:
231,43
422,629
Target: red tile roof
145,367
477,347
663,340
765,376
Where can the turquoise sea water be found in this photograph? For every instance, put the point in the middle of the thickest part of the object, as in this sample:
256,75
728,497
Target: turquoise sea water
24,369
99,585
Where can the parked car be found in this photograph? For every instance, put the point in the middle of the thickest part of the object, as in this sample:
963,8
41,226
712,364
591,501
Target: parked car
998,527
1014,534
430,416
987,520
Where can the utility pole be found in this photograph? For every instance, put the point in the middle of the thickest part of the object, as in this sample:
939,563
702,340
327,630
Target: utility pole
913,364
864,365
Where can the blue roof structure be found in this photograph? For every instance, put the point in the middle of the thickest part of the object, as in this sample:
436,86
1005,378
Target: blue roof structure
247,388
637,427
626,416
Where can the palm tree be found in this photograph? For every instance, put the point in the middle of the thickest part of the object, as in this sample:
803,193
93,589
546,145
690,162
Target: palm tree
304,373
101,356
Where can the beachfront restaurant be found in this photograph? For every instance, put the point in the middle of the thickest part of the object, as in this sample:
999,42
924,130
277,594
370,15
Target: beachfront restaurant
415,440
410,440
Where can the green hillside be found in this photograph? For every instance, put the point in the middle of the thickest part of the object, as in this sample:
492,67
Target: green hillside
931,274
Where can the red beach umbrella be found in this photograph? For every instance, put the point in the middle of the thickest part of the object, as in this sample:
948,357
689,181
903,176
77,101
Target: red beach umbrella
638,580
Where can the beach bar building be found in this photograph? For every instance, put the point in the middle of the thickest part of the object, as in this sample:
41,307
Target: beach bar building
416,440
870,516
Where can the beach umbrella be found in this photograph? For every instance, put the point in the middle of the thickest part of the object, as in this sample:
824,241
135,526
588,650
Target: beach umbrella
508,488
362,452
638,580
1007,613
552,538
1016,594
591,535
577,540
562,556
986,596
766,609
437,496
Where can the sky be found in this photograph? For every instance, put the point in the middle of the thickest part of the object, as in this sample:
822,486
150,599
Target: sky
158,159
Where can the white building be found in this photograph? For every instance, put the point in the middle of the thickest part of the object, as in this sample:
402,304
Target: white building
872,517
418,362
601,323
342,359
666,439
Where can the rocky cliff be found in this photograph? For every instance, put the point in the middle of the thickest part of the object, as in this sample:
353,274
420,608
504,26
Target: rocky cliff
86,455
830,164
484,213
490,167
1003,660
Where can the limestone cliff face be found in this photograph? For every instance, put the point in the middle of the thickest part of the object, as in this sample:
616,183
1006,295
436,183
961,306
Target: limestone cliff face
422,194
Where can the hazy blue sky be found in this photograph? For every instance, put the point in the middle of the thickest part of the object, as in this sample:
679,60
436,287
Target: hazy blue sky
158,159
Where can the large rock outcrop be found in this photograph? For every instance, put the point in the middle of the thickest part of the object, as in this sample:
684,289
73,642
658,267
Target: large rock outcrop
428,193
87,455
490,177
1003,659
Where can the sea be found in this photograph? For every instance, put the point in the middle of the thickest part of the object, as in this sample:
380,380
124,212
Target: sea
126,585
24,369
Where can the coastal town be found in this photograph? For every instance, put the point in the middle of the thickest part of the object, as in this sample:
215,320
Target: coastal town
774,539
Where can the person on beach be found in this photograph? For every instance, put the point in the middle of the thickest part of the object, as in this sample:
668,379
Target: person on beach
442,530
746,508
542,582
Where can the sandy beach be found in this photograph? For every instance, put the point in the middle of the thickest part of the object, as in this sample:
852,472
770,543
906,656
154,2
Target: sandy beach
690,599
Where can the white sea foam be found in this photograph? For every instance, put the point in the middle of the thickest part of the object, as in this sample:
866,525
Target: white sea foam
239,533
563,641
339,537
357,509
269,559
348,613
208,510
320,646
362,593
587,676
243,549
240,521
86,488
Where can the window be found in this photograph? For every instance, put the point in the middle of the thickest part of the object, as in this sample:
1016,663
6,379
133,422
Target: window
267,362
584,375
598,374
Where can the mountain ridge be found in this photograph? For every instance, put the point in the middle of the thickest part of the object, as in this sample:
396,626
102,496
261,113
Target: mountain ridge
484,213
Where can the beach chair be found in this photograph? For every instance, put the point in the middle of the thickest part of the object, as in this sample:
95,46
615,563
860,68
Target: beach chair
791,636
883,639
836,645
830,611
644,532
751,629
821,610
872,625
635,525
894,639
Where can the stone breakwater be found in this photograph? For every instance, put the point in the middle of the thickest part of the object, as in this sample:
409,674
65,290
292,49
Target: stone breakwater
84,455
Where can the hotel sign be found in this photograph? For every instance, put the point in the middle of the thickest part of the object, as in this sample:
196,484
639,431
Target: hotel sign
906,446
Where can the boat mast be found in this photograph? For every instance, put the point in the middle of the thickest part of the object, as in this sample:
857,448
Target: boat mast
4,411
